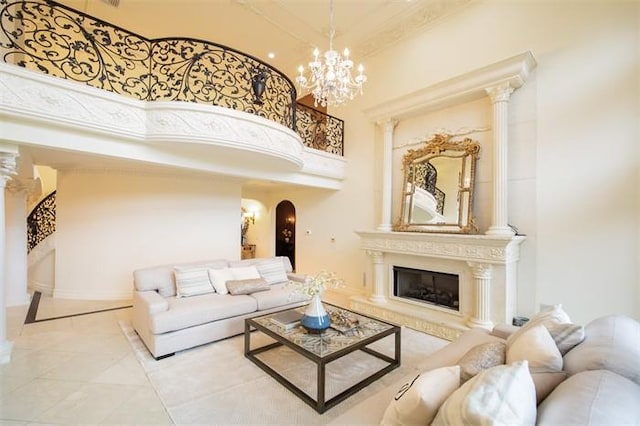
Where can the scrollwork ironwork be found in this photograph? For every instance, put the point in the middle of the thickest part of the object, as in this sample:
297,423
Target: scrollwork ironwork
41,222
319,130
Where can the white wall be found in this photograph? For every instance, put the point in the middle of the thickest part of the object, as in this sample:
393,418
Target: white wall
110,223
573,159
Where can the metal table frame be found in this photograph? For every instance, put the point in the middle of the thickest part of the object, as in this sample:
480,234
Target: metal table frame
319,404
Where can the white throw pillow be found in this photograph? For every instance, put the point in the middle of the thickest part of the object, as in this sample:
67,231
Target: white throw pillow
417,402
272,271
501,395
538,347
550,315
192,281
219,278
245,273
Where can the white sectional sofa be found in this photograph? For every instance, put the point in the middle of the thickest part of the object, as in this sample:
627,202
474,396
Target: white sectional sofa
174,309
598,383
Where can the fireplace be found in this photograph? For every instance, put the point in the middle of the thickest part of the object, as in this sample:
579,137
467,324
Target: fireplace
435,288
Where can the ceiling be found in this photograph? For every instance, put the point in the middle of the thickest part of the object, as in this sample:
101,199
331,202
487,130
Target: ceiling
290,29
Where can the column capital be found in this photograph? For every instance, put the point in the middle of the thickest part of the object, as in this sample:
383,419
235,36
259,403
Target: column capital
388,124
481,270
8,166
500,93
376,256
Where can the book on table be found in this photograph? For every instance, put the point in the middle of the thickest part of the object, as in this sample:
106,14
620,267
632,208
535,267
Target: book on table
287,319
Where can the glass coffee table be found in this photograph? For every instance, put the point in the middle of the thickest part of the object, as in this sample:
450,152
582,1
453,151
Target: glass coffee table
321,349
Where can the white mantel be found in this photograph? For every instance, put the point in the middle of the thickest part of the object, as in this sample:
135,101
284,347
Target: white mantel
485,264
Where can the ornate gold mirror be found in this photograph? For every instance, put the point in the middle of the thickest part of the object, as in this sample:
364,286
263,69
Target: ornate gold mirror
437,192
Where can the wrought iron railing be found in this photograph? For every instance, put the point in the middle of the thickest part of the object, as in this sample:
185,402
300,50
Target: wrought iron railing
54,39
320,131
41,222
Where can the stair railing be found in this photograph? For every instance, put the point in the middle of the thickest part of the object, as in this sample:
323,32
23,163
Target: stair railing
41,222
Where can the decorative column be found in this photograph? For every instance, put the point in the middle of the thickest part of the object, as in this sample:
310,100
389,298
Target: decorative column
15,274
379,294
500,99
387,174
481,273
7,170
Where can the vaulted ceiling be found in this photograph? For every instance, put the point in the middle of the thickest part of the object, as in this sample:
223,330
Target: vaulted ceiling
288,28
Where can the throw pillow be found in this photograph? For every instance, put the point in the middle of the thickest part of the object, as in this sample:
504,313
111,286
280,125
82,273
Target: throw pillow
272,271
244,273
536,346
249,286
500,395
566,336
219,278
480,358
597,397
417,402
551,315
192,281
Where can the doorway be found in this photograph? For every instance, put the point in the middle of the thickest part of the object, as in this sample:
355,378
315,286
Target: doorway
286,231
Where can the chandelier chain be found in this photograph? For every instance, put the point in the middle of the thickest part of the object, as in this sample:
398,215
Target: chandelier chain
331,81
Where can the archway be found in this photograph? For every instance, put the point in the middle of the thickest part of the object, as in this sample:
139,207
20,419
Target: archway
286,231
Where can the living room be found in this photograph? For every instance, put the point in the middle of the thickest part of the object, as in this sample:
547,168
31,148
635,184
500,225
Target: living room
573,159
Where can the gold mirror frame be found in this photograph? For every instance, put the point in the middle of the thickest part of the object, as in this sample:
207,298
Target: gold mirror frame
424,206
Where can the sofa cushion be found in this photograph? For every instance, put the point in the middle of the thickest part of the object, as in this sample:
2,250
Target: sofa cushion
536,346
269,268
417,402
551,315
245,272
192,281
597,397
219,278
161,278
611,343
192,311
502,395
279,295
248,286
546,382
480,358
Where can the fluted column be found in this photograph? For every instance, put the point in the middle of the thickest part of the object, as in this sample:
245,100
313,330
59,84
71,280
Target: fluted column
500,99
387,174
379,293
7,170
16,241
481,273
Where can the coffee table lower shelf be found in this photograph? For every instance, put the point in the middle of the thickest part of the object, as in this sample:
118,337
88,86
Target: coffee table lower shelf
320,404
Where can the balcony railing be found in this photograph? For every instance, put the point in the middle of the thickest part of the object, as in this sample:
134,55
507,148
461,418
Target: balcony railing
41,222
319,130
54,39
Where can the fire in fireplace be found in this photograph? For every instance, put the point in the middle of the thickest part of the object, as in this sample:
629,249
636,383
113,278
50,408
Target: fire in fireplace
426,286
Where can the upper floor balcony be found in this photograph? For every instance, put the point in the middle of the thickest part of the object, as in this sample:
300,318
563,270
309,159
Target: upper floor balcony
73,83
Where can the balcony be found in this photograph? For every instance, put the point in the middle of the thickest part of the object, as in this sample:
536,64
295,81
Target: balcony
72,83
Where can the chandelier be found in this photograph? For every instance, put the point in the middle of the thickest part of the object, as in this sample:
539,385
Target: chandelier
331,81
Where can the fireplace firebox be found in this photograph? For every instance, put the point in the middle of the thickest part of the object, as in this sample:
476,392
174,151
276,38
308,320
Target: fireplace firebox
430,287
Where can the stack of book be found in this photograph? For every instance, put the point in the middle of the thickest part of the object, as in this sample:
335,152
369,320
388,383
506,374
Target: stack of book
287,319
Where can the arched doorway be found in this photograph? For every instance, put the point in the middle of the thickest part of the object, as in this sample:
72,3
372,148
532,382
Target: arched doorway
286,231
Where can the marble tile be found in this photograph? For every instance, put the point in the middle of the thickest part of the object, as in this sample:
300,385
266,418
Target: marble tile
91,403
127,371
12,423
84,367
32,399
96,342
144,407
33,363
63,324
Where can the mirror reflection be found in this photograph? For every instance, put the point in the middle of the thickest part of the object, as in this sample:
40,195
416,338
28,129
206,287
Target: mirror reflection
438,186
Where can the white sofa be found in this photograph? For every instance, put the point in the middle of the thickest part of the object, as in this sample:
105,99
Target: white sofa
167,322
599,382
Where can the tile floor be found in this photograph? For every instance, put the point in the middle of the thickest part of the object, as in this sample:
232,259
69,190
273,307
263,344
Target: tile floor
77,370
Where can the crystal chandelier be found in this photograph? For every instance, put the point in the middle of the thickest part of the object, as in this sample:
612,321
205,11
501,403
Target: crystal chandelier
331,81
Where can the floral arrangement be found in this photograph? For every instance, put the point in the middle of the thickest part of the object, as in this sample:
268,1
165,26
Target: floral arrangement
316,284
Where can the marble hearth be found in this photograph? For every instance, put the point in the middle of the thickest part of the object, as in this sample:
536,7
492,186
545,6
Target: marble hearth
485,265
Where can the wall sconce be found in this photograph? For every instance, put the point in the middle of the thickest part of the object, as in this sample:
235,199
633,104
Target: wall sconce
290,220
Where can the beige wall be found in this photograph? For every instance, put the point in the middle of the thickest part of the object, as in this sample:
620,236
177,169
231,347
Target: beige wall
111,223
573,159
